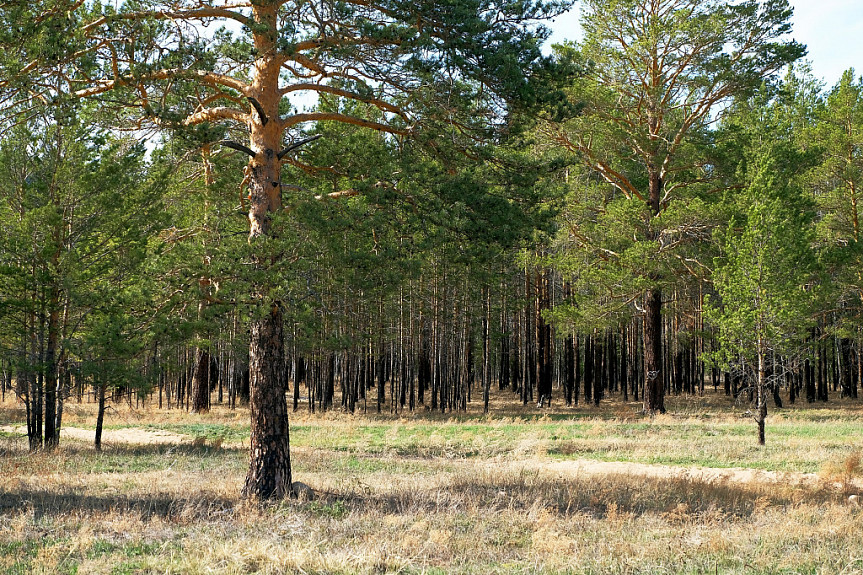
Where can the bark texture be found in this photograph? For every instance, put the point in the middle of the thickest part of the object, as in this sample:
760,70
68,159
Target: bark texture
100,418
654,390
201,383
269,473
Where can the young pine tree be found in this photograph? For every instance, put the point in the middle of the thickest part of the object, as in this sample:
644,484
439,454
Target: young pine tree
764,278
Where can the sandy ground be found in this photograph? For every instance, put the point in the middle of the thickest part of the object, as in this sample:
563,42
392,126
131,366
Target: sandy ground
126,435
702,474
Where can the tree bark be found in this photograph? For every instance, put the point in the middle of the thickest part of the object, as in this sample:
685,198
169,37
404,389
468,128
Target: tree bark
654,391
589,365
100,417
201,383
569,363
486,351
761,395
269,473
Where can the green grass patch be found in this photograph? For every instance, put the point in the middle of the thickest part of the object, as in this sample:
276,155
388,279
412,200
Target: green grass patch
335,509
100,548
211,431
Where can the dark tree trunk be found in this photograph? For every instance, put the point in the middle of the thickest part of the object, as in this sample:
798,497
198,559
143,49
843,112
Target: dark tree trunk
761,394
51,380
270,462
777,399
624,364
201,383
569,352
381,378
792,386
654,391
486,349
544,351
299,376
588,368
599,371
503,379
576,355
809,377
845,369
100,417
822,371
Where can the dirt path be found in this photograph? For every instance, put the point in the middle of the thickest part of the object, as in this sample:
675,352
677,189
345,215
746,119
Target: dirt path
704,474
131,435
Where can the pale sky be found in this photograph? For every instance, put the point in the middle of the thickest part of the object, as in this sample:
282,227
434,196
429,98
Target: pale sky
831,29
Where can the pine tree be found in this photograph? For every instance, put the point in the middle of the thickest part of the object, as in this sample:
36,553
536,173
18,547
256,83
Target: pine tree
660,71
765,278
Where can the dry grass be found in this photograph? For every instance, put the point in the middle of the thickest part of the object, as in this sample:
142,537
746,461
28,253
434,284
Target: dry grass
436,495
844,474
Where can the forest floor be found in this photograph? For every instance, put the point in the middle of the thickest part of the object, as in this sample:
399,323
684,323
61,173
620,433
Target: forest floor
561,490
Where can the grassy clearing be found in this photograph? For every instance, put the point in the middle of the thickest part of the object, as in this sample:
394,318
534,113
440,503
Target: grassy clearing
433,494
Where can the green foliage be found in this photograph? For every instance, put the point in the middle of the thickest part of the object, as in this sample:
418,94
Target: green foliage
643,195
764,280
77,212
836,130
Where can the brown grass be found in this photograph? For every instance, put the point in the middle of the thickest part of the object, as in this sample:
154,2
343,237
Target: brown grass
509,507
844,474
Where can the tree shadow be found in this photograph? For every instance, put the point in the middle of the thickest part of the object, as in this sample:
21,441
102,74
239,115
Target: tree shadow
50,503
596,496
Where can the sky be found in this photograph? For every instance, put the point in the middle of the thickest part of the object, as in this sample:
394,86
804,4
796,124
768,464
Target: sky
831,29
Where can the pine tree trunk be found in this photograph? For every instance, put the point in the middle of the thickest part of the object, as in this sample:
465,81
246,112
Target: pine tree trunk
569,363
270,463
201,383
51,381
761,396
100,417
588,368
809,377
576,357
599,374
654,390
486,349
822,371
269,472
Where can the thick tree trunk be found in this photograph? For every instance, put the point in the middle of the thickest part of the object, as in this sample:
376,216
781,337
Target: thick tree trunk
201,383
270,463
269,472
654,391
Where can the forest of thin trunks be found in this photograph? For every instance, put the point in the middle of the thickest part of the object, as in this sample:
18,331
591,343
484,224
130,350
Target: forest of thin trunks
441,353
